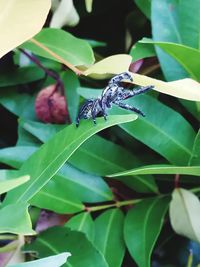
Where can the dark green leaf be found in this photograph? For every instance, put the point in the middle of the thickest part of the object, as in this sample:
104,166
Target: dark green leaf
82,222
195,157
15,219
21,76
59,239
145,6
74,50
109,236
143,224
45,162
71,84
52,261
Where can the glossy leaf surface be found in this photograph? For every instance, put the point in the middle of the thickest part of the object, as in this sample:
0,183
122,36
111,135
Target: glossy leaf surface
144,218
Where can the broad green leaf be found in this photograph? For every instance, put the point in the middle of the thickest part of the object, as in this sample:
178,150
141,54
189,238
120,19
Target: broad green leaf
21,76
56,198
142,227
8,185
82,222
165,16
145,6
51,261
90,158
86,187
195,157
190,32
184,214
71,84
177,147
48,161
59,239
140,51
110,65
15,219
187,57
160,169
21,20
109,236
19,104
64,45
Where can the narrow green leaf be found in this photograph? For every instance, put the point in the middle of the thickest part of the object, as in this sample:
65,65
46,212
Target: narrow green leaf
8,185
82,222
45,162
63,44
90,157
161,169
59,239
143,224
15,219
188,57
51,261
184,214
109,236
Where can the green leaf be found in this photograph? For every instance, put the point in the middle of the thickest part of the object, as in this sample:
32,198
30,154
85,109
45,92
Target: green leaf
187,57
8,185
177,147
141,50
71,84
184,214
19,104
82,222
58,239
21,76
90,158
145,6
15,219
143,224
16,28
48,161
195,157
161,169
165,16
64,45
109,236
190,32
52,261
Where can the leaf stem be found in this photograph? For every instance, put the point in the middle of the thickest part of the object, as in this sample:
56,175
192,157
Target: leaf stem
8,237
60,59
117,204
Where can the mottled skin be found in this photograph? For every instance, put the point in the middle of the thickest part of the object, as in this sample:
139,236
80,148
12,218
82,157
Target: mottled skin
114,93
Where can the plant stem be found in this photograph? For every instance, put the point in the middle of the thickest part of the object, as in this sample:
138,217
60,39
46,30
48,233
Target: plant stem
176,180
8,237
117,204
60,59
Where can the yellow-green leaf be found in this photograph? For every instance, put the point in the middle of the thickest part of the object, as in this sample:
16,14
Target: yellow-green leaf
20,20
8,185
185,214
110,65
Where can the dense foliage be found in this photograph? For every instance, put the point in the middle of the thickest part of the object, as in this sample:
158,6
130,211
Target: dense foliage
124,192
